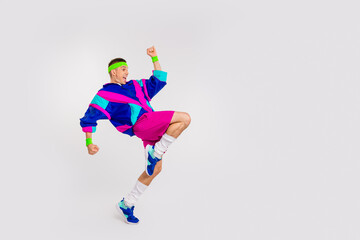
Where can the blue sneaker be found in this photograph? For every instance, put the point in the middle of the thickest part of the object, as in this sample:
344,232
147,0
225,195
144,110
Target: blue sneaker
150,160
127,212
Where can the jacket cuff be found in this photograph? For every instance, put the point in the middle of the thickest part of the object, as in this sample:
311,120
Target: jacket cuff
89,129
161,75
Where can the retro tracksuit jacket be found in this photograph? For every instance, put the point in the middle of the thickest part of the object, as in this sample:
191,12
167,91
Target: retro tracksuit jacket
124,104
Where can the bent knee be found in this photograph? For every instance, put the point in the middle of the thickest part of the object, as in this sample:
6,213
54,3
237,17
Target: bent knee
186,118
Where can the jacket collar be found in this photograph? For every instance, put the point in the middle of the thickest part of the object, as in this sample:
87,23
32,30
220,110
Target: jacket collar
126,84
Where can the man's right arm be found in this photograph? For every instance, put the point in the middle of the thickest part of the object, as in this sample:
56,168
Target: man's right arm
92,148
88,135
88,124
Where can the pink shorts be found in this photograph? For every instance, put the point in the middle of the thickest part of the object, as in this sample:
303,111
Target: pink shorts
152,125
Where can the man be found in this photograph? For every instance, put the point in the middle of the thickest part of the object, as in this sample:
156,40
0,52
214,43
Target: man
127,105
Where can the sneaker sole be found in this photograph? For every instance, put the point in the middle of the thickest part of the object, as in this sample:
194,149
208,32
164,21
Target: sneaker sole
146,159
123,216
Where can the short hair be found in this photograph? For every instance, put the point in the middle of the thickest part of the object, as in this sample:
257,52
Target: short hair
115,60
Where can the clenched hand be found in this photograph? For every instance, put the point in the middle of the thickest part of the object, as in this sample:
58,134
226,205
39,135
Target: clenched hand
92,149
151,51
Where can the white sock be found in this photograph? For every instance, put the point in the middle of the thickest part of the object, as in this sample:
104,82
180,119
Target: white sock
162,145
135,194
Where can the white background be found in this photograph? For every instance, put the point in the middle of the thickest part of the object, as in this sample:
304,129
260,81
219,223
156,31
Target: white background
272,151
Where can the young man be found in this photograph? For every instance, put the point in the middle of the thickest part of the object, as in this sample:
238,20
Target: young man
127,105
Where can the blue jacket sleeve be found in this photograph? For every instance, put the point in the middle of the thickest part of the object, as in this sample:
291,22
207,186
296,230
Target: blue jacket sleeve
88,122
155,83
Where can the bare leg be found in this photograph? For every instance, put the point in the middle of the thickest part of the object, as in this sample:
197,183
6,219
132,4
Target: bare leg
146,179
179,122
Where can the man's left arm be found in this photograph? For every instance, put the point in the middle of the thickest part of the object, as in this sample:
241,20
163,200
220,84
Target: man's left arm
153,54
158,79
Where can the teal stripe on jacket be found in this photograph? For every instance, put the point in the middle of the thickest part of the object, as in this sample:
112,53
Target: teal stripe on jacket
100,101
161,75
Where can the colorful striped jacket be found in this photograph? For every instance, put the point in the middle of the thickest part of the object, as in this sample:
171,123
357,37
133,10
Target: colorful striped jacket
124,104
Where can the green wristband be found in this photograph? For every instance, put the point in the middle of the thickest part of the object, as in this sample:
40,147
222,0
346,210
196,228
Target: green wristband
88,141
155,59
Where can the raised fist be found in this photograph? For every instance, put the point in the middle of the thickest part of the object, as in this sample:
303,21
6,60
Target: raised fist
151,51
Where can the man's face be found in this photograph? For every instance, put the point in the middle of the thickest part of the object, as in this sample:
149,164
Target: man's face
121,74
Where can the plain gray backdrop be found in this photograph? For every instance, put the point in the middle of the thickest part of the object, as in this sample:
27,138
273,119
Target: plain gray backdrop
272,151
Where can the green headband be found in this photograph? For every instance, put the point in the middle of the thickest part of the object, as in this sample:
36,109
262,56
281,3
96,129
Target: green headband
116,65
